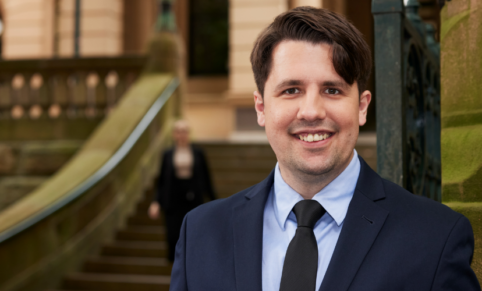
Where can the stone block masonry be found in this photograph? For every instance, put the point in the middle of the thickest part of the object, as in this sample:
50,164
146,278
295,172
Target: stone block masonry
461,107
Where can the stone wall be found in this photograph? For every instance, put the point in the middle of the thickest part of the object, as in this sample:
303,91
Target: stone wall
461,46
26,165
16,187
461,104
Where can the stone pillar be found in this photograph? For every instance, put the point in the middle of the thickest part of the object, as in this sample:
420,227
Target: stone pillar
339,6
461,46
101,28
461,109
28,29
101,32
314,3
138,22
65,29
39,29
247,18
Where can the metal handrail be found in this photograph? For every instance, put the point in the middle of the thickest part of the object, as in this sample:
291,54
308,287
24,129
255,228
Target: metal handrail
116,158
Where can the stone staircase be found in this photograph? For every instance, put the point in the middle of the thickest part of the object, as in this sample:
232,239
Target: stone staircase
135,260
237,166
137,257
25,165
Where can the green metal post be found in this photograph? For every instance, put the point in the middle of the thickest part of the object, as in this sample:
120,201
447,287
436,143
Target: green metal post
388,16
166,20
77,29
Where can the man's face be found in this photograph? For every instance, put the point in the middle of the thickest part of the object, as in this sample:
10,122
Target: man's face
311,115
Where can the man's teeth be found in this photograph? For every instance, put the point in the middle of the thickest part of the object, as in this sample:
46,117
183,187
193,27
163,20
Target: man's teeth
316,137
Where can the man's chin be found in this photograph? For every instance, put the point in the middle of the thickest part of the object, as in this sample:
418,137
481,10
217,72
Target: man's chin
315,170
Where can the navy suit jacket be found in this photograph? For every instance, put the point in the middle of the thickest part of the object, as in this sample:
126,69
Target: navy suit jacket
391,240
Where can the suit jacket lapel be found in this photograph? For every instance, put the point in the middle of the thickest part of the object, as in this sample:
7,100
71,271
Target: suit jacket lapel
248,236
361,226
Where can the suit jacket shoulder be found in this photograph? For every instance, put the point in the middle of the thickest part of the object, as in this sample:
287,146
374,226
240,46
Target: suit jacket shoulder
405,206
409,242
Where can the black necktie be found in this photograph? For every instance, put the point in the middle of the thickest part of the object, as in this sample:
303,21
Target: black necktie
301,261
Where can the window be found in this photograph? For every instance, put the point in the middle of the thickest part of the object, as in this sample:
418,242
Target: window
208,37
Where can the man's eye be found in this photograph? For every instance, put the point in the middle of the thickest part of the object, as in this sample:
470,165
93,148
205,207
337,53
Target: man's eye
332,91
292,91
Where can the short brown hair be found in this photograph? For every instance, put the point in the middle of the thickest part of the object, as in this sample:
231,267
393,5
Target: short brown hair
351,54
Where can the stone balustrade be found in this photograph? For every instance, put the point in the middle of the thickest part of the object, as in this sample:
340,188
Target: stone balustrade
76,88
65,95
53,228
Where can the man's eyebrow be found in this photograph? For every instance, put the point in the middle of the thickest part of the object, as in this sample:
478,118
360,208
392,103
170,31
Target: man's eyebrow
288,83
338,84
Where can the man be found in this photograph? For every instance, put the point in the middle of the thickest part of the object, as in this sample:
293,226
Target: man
323,220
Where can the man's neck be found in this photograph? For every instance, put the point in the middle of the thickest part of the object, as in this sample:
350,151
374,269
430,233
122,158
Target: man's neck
309,185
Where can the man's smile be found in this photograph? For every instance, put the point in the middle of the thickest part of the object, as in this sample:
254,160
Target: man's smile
313,137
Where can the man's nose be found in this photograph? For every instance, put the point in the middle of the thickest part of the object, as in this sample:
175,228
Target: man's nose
312,107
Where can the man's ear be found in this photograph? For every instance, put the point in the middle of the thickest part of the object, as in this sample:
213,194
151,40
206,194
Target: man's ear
365,99
259,107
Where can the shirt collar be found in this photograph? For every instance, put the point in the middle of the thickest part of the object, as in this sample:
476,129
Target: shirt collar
335,197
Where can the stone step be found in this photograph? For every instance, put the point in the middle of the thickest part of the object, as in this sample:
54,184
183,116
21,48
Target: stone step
237,177
224,191
116,282
235,167
143,205
128,265
239,164
141,233
135,249
141,218
244,151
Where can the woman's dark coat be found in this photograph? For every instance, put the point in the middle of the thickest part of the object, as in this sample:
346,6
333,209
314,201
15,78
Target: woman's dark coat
201,180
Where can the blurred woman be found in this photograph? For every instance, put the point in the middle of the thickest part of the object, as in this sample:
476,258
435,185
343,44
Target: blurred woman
183,182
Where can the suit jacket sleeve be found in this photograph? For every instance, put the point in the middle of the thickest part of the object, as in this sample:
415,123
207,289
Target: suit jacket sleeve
454,271
178,274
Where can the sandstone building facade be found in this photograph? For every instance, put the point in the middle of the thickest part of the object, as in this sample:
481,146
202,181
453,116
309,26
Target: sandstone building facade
217,34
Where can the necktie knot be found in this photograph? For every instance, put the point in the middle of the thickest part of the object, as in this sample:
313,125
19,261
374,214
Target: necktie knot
308,212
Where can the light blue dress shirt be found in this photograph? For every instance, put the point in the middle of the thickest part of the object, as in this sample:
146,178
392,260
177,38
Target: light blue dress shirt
279,222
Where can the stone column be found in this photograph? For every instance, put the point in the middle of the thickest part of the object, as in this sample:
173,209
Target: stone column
461,107
101,28
28,29
247,18
314,3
